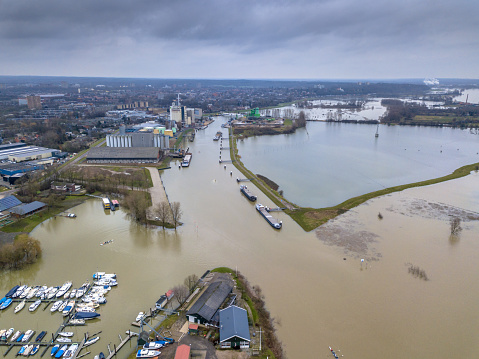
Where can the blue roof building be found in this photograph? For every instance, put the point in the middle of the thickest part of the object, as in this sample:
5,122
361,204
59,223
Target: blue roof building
27,209
9,202
234,328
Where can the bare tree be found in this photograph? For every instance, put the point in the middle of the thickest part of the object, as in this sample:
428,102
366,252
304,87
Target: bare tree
163,211
176,213
455,226
301,119
190,281
181,293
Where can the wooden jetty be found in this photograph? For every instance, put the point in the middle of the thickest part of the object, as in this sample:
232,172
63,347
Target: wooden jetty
115,350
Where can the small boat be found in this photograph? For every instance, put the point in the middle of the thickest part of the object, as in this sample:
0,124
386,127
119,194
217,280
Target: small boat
100,275
154,345
68,308
91,341
16,335
41,291
2,333
7,334
77,322
56,305
66,334
6,303
35,348
334,353
19,306
85,309
73,293
11,292
20,338
52,292
63,305
25,293
63,340
41,336
140,316
100,356
71,215
63,289
71,350
28,334
146,353
81,315
35,305
60,351
3,300
19,291
54,349
66,295
22,350
106,242
32,292
247,193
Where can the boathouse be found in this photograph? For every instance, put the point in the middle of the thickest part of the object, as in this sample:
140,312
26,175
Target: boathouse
206,306
27,209
234,328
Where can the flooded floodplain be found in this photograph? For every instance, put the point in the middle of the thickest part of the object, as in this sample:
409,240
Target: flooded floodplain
315,285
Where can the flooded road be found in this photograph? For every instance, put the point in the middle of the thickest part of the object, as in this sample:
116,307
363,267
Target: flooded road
372,310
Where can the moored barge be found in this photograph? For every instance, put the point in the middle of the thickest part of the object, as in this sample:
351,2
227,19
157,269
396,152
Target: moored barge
269,218
247,193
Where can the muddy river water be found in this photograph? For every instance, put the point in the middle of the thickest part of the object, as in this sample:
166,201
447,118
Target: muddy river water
315,285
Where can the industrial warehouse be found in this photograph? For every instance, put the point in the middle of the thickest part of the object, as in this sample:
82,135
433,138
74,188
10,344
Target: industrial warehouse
123,155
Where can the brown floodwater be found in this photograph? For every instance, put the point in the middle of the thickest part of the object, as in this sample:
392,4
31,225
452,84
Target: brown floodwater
315,285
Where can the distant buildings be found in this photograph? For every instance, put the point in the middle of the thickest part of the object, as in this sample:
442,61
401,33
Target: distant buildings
34,102
123,155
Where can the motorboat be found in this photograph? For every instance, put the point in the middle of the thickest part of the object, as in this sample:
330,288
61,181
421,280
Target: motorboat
19,339
64,340
3,300
77,322
140,316
52,292
63,289
61,351
85,316
22,349
66,334
100,275
85,309
147,353
25,293
56,305
41,336
153,345
7,334
91,341
32,292
28,334
16,336
19,291
35,305
73,293
35,349
28,350
66,295
12,291
54,349
100,356
19,306
45,294
6,303
71,350
68,308
63,305
41,291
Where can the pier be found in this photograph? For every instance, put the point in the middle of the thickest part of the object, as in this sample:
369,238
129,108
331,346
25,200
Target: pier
115,350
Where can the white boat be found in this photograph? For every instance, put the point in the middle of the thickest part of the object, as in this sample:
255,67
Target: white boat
85,309
66,334
147,353
140,316
91,341
73,293
56,305
52,292
64,340
88,305
27,350
2,332
71,350
32,292
63,289
19,291
28,334
66,295
45,294
153,345
8,333
35,348
77,322
16,335
68,308
25,293
35,305
19,306
100,275
41,291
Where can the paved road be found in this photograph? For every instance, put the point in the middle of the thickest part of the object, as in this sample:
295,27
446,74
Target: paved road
157,192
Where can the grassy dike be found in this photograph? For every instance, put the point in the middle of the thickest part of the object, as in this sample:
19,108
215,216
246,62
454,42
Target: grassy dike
311,218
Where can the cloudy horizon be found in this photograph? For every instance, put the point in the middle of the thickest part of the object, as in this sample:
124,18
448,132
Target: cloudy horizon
303,39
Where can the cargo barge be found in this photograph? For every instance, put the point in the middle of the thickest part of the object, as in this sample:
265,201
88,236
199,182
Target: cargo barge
269,218
186,161
219,134
247,193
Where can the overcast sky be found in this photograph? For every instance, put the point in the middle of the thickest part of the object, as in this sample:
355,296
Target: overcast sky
300,39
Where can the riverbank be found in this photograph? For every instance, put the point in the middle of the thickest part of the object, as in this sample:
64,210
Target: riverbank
310,218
